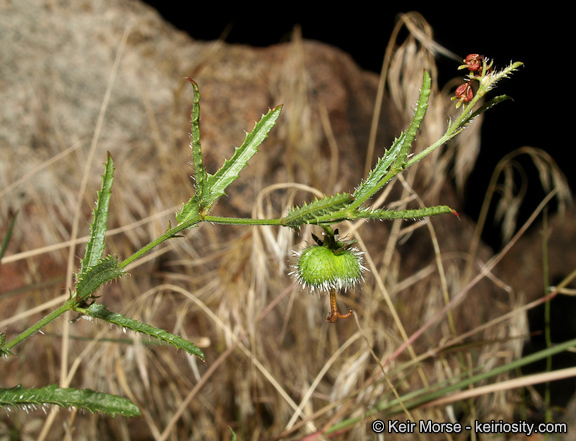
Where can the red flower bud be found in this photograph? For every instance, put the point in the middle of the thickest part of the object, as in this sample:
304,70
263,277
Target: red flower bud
474,62
464,92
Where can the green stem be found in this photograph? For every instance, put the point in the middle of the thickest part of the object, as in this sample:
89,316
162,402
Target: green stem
547,328
241,221
72,304
358,202
190,223
444,139
453,129
68,306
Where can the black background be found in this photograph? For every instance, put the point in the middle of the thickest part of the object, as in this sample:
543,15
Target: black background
539,116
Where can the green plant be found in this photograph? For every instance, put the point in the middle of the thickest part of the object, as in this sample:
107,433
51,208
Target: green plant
96,269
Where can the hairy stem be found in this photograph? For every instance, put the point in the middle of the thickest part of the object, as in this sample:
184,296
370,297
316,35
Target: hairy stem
68,306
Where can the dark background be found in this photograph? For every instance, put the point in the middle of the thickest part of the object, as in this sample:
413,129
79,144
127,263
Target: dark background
541,89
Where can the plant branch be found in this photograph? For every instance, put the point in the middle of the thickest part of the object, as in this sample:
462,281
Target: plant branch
67,306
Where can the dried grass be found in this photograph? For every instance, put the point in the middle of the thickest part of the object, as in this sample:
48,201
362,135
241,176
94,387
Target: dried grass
275,369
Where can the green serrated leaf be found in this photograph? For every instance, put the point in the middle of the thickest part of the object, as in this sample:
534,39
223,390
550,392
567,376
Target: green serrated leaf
200,175
95,245
20,397
393,161
421,108
92,278
380,169
230,170
3,351
99,311
310,213
405,214
189,210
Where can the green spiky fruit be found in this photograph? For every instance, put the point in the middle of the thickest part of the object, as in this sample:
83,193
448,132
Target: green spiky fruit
323,269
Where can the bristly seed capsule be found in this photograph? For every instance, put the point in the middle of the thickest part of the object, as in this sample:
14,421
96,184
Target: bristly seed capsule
320,268
328,266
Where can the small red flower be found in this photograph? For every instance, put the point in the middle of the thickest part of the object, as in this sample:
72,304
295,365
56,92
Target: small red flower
474,62
464,92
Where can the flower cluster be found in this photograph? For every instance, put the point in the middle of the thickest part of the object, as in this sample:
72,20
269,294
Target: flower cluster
478,66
